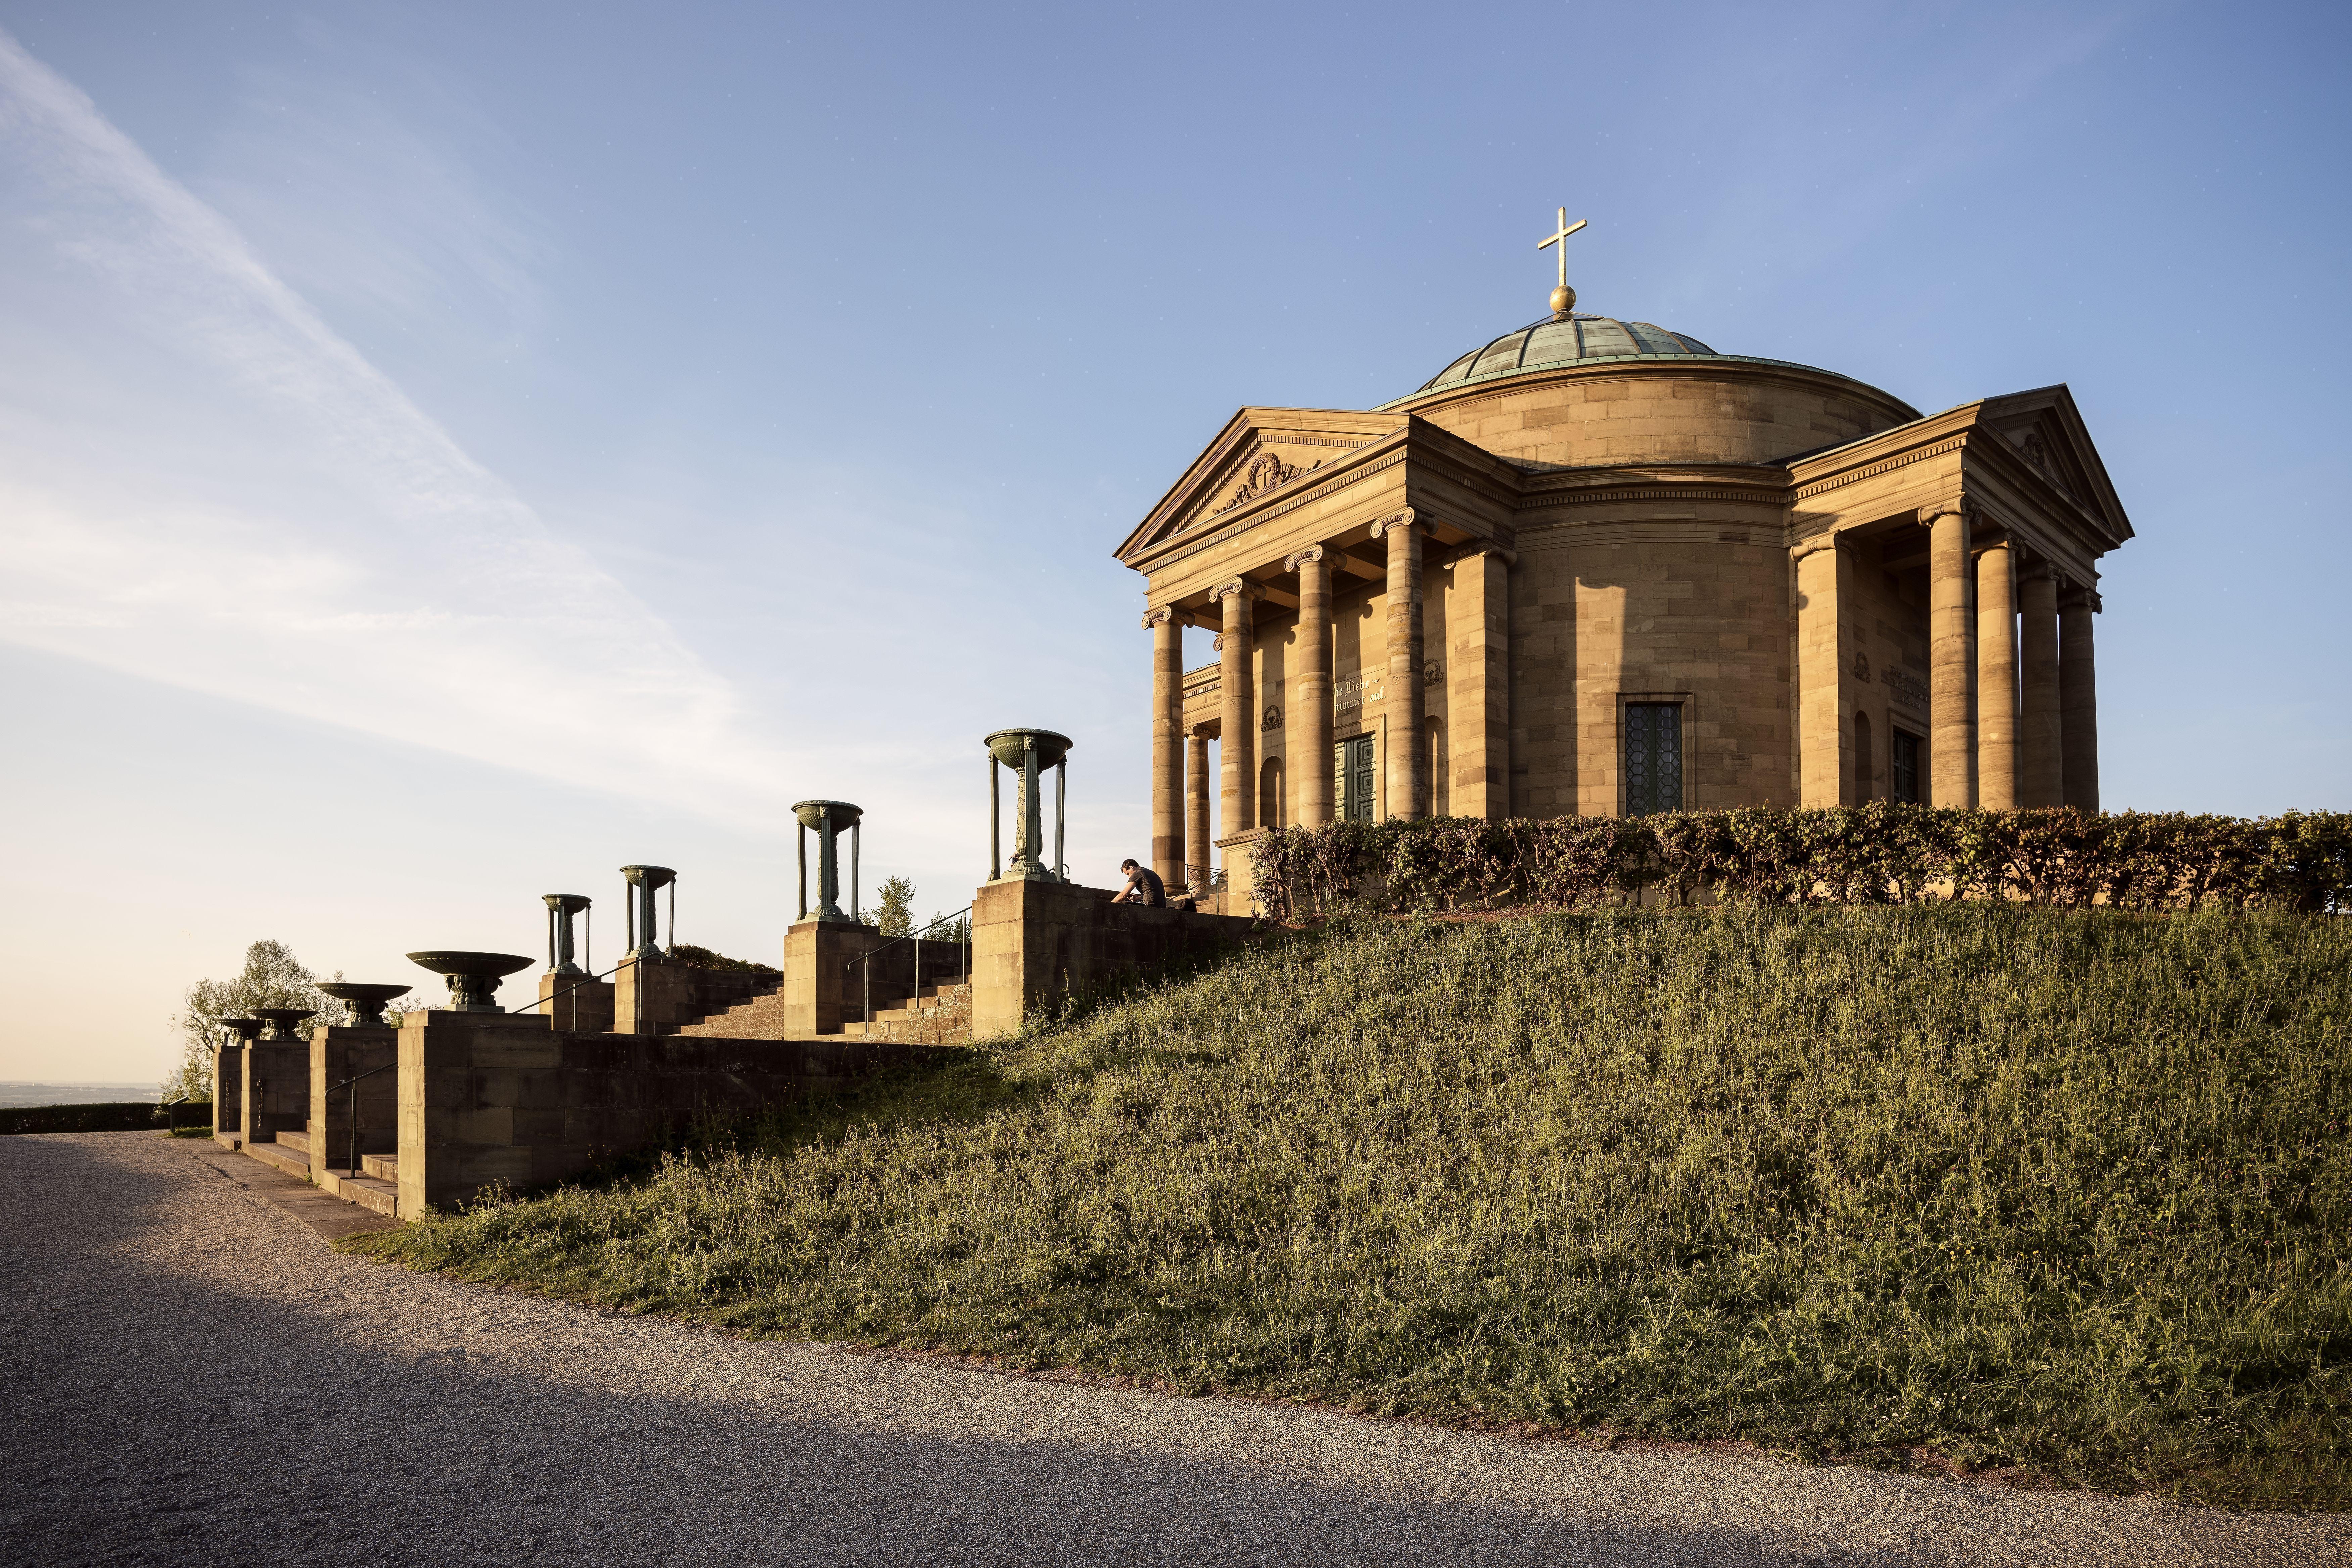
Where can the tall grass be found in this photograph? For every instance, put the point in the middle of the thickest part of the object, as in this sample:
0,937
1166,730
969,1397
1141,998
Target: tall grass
2063,1192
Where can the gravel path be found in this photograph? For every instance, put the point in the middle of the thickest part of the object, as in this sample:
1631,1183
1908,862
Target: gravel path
194,1377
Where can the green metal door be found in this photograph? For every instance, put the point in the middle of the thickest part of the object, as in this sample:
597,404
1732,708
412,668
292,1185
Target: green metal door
1353,760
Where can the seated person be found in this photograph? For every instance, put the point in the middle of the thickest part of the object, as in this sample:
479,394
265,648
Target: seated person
1143,886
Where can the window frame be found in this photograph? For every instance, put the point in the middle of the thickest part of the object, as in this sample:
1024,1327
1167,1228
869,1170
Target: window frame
1686,701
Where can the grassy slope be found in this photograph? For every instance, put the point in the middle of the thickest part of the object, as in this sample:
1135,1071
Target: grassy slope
2066,1192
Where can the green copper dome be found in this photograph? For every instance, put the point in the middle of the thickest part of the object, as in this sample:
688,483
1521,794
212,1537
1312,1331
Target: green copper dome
1552,341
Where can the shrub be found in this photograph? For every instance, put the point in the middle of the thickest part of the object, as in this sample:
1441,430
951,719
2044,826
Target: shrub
105,1116
1885,852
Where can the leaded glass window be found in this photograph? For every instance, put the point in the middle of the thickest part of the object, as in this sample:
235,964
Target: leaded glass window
1653,757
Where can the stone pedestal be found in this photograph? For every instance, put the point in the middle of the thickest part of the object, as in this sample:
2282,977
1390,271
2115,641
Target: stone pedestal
1034,944
577,1004
228,1095
338,1053
658,997
818,994
276,1088
463,1078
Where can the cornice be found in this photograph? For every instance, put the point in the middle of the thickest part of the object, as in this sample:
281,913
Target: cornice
1920,454
1272,510
1776,495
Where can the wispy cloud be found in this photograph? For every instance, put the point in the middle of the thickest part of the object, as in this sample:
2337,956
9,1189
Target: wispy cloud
202,483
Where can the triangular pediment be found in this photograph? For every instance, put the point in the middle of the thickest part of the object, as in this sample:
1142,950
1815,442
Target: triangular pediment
2047,431
1259,452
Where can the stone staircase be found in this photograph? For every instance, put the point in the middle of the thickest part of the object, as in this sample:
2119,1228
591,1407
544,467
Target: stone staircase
937,1016
758,1017
376,1186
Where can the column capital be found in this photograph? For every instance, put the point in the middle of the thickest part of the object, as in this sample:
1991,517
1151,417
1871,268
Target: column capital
2082,595
1158,617
1383,526
1816,544
2034,568
1954,506
1292,562
1239,586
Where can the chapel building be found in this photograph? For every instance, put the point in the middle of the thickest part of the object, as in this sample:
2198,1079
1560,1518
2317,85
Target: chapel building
1597,566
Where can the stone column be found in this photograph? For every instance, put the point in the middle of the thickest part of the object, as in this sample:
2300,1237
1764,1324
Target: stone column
1477,682
1824,715
1167,743
1996,679
1307,726
2078,698
1951,719
1237,729
1407,739
2039,757
1200,854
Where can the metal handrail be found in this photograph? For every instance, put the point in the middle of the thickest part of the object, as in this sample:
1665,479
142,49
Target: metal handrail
866,1004
352,1083
533,1006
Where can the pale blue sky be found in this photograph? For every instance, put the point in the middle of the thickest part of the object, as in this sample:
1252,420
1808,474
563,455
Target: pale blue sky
447,451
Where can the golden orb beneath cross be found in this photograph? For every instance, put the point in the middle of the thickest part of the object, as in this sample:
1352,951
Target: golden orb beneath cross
1563,300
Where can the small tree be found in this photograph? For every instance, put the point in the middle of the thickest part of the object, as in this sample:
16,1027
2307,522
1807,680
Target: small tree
272,977
942,929
894,907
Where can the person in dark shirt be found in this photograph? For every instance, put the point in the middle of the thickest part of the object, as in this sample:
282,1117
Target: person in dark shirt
1143,886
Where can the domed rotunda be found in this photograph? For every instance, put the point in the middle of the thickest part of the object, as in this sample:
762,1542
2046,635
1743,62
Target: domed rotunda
1597,565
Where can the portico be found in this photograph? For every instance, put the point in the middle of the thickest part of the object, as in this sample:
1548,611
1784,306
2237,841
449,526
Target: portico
1597,566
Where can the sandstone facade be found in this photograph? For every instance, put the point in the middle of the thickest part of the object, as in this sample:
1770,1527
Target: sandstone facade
1597,567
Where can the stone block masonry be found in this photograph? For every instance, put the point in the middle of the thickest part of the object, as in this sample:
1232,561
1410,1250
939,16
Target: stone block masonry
1035,943
488,1098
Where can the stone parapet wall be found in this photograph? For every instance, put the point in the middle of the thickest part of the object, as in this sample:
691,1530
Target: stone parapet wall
339,1053
489,1098
660,998
277,1097
576,1001
1036,944
228,1095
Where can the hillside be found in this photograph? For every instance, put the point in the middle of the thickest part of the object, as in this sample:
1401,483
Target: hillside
2067,1194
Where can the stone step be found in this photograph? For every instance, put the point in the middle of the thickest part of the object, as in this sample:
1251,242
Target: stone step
372,1192
383,1167
283,1158
298,1141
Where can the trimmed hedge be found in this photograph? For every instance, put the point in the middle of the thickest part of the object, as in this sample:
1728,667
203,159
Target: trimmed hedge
1885,852
105,1116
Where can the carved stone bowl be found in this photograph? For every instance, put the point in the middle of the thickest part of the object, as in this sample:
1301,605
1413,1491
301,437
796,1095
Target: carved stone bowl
277,1023
844,814
364,1001
1007,745
473,977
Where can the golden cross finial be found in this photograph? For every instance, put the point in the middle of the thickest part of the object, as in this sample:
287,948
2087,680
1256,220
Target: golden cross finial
1563,299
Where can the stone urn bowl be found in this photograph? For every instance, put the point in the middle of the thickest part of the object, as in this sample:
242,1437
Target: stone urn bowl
1007,747
364,1002
814,813
473,977
246,1030
277,1023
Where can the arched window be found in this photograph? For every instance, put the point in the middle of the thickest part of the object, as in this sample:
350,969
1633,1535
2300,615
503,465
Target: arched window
1272,809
